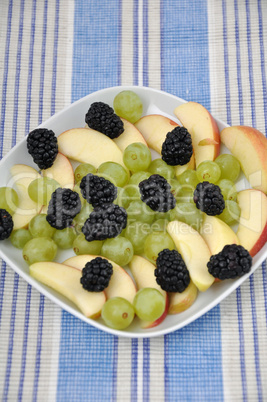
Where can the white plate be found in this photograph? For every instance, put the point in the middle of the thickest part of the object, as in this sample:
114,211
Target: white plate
154,102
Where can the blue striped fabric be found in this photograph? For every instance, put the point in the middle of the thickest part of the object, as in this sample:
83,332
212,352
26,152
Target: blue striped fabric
48,354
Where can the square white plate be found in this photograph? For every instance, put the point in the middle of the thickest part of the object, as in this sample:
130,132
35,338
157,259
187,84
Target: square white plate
154,102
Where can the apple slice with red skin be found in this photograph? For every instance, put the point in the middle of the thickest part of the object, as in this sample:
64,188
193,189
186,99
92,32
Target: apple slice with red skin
180,302
249,146
66,281
252,229
202,126
143,273
121,283
61,171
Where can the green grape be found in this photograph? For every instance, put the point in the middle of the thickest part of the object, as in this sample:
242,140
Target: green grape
158,166
189,177
128,105
175,187
185,194
187,213
78,190
139,211
64,238
229,165
137,232
39,227
79,219
159,225
117,313
20,237
155,243
137,157
231,212
162,215
228,189
116,172
40,190
208,171
39,249
82,170
118,250
9,199
149,304
122,199
82,246
132,188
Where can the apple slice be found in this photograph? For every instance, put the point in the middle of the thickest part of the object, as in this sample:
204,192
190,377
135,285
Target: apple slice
66,280
249,146
194,252
217,234
22,176
129,136
120,285
252,229
180,302
89,146
143,273
61,171
202,126
154,129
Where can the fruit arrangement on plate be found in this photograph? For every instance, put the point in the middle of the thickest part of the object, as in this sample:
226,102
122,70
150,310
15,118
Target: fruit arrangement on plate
151,210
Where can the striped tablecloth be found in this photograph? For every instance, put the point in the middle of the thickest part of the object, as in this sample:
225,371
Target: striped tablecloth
53,52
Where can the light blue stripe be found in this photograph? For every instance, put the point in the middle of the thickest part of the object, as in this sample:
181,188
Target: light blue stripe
146,369
30,69
38,349
241,345
4,89
54,76
250,67
85,362
11,337
226,64
95,48
2,286
88,357
25,342
145,44
42,67
264,284
263,73
134,370
193,356
135,43
238,65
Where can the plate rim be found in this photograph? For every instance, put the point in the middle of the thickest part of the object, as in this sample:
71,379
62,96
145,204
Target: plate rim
126,334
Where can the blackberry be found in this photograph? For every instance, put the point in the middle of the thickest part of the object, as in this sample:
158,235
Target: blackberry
232,262
156,193
171,273
208,198
101,117
96,275
105,222
42,146
177,148
97,190
6,224
64,205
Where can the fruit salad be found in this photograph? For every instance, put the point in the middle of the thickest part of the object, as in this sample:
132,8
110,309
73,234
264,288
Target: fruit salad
147,235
